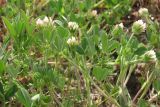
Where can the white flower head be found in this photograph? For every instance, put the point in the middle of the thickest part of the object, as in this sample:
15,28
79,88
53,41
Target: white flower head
143,12
89,65
120,25
73,25
151,55
46,21
118,29
94,13
100,46
138,27
39,22
152,18
72,41
36,97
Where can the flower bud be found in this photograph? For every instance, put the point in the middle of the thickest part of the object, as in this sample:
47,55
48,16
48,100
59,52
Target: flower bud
39,22
143,12
36,97
94,13
118,29
100,46
72,41
46,21
138,27
73,25
151,55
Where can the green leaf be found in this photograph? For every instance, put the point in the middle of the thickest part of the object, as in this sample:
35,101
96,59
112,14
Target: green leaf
61,83
59,43
58,80
62,32
80,50
141,50
11,91
9,27
1,88
156,85
12,70
23,97
20,26
115,91
84,43
113,45
91,46
104,41
68,103
142,103
58,22
47,33
2,98
46,98
2,67
101,73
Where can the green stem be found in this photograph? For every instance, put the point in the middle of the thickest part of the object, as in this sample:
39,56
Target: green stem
79,81
129,74
88,91
151,78
86,77
54,97
124,64
145,87
123,71
99,3
117,63
130,39
105,94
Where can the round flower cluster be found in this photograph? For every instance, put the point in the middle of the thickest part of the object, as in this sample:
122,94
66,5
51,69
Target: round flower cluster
73,25
143,12
151,55
45,21
94,13
118,29
72,41
138,27
121,26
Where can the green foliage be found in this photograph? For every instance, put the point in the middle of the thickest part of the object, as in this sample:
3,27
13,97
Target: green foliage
23,96
102,73
76,53
2,67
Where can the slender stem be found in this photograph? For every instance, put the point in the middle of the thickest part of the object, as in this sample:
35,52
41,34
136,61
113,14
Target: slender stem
154,97
79,80
105,94
88,91
151,78
123,71
129,74
130,39
99,3
124,64
52,92
144,87
138,93
86,77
